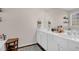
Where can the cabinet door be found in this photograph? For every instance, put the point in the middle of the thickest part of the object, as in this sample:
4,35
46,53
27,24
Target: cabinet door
38,37
62,44
42,39
73,46
52,44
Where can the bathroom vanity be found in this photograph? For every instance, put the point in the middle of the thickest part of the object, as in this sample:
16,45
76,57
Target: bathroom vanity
53,41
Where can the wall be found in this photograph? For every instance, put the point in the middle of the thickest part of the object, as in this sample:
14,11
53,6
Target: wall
21,22
55,15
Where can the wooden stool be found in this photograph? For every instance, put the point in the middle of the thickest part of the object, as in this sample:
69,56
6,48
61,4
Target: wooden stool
12,44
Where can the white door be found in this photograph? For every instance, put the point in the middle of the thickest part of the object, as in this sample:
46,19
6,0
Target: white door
52,44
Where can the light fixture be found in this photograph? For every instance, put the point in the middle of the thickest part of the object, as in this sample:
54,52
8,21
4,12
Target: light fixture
66,19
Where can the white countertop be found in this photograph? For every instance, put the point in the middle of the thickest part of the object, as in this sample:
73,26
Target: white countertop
62,35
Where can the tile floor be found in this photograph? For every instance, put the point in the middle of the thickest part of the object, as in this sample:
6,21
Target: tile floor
30,48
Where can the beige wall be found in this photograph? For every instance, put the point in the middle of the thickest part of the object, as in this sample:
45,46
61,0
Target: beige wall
22,22
55,16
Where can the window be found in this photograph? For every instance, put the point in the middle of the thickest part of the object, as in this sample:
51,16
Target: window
75,19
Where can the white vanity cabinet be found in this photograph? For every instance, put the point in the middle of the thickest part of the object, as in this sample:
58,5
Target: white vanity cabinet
38,37
52,44
56,43
51,41
73,46
42,39
62,43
